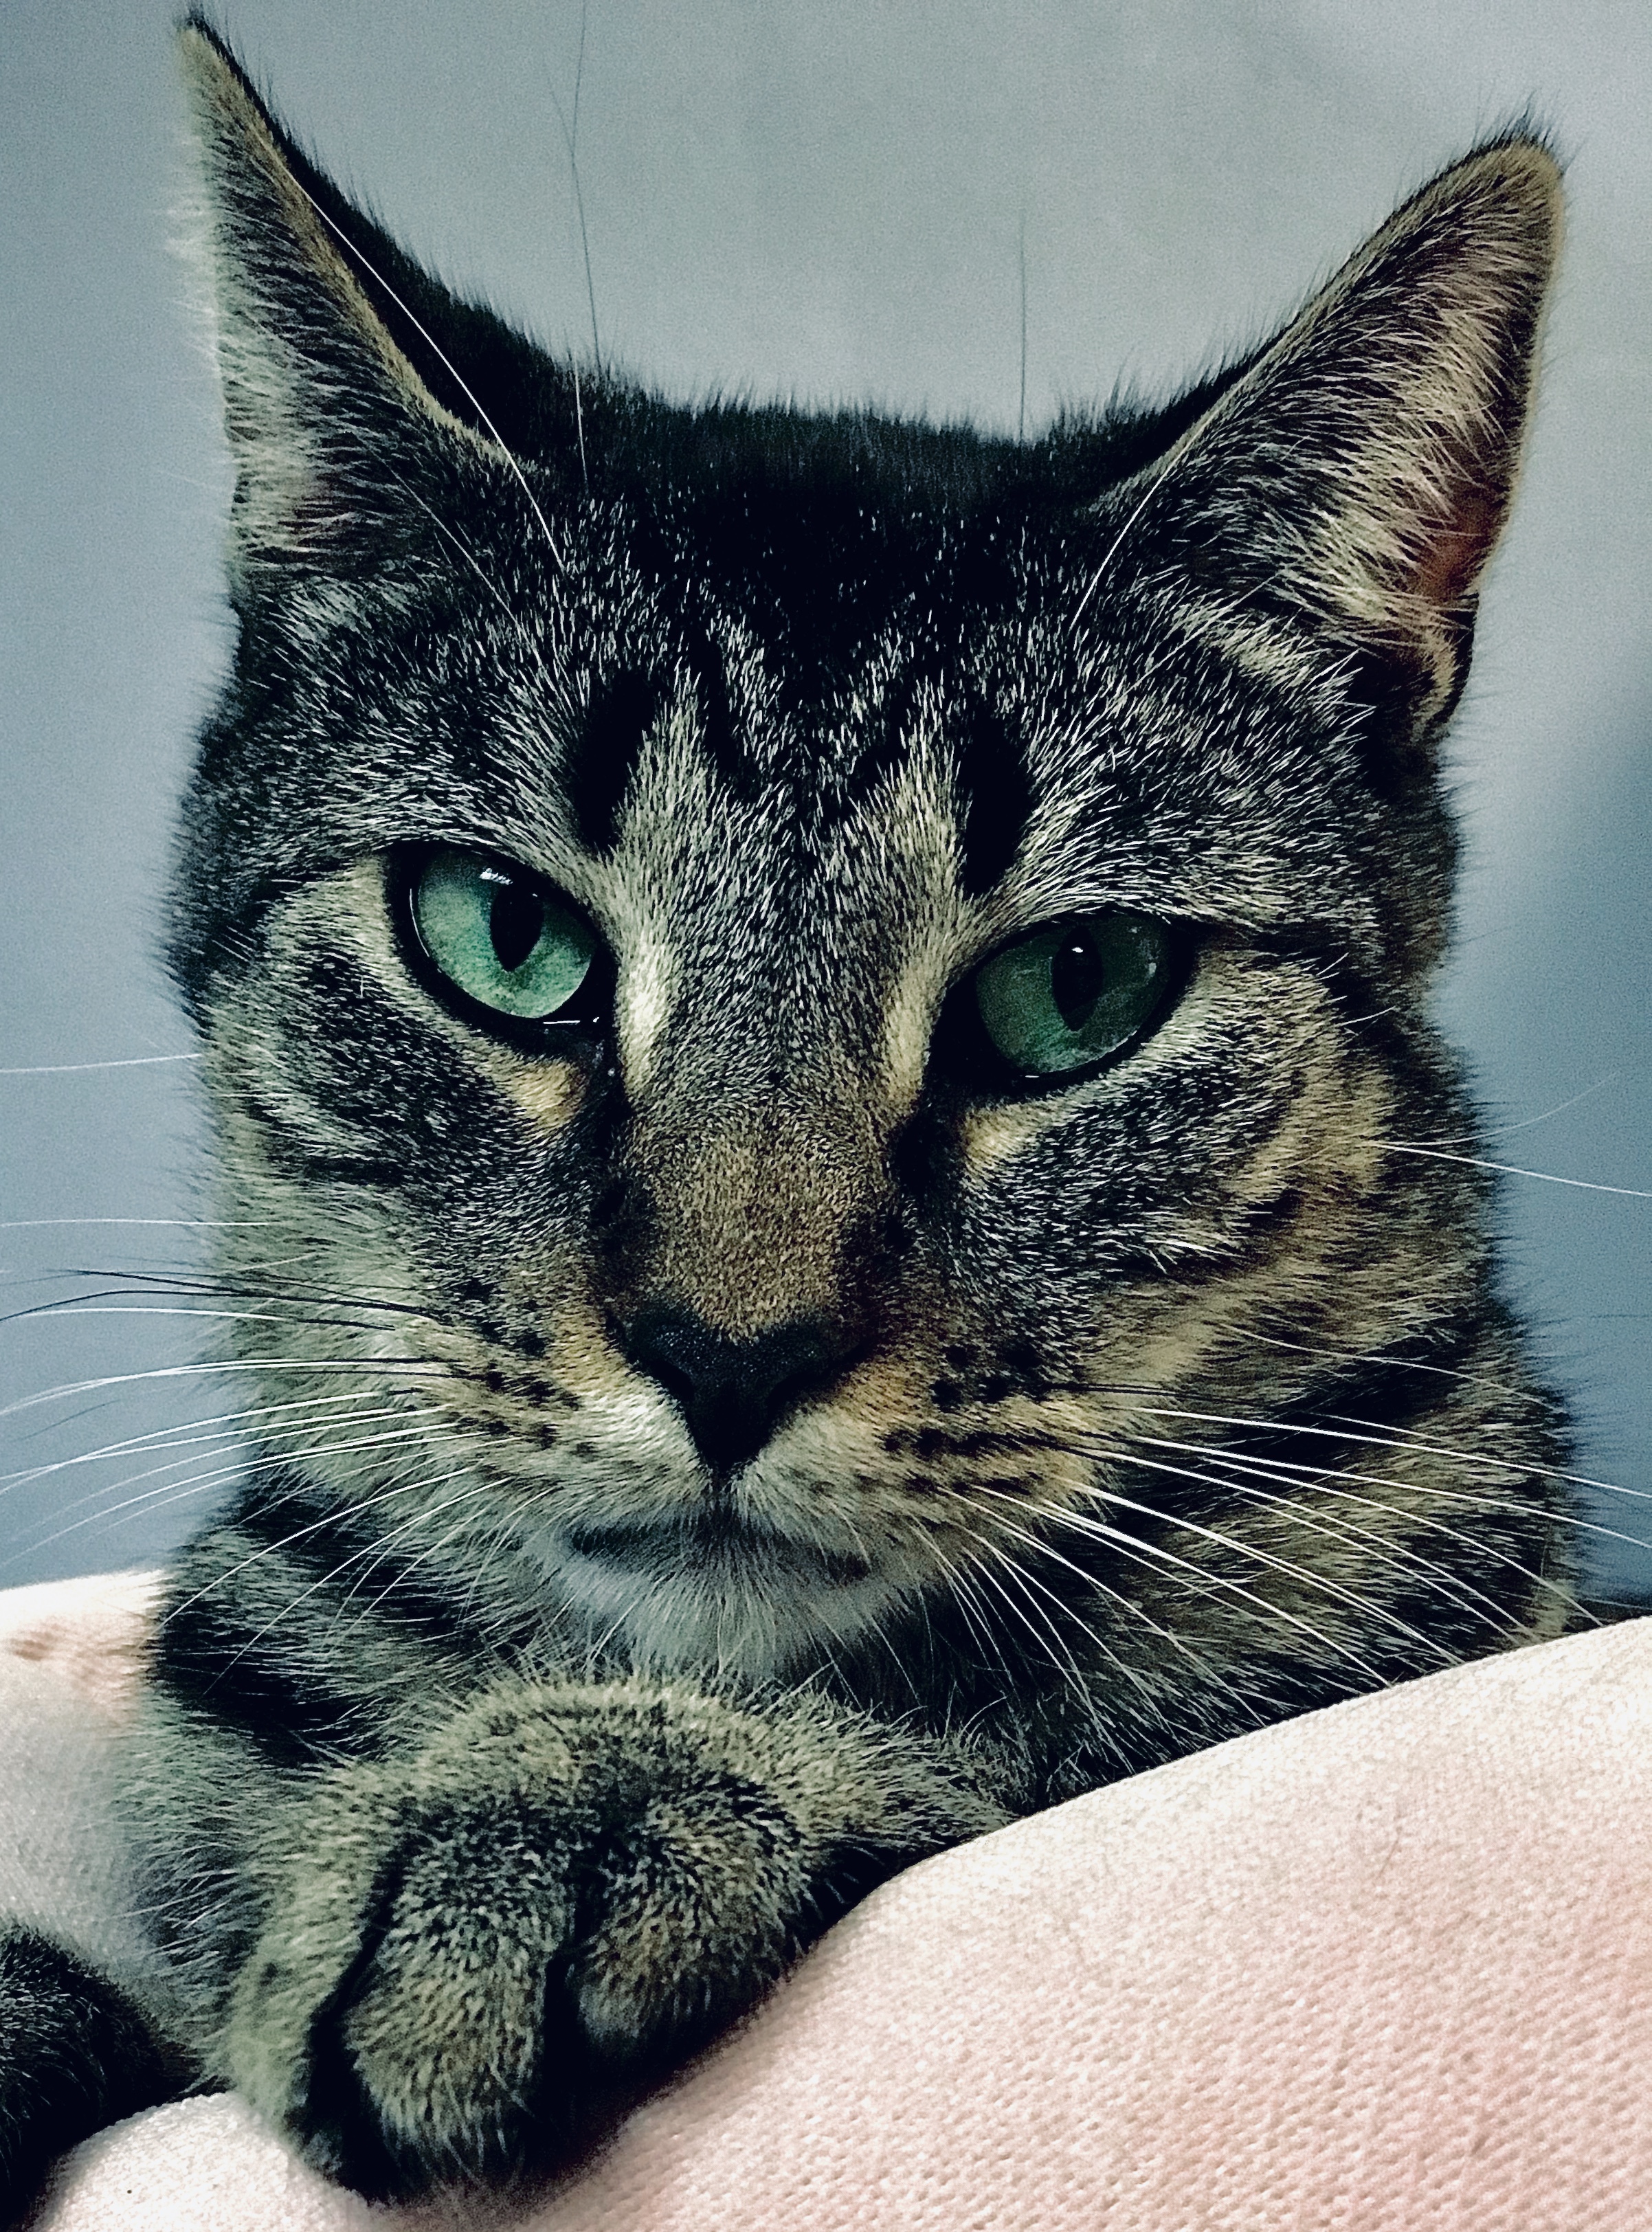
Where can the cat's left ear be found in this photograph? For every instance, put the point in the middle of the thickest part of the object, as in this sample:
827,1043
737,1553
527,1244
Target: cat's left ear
1358,471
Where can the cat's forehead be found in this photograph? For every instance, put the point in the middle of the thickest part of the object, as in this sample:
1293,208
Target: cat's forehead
785,660
826,587
780,721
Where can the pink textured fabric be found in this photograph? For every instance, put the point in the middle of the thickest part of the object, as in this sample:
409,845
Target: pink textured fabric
1385,1968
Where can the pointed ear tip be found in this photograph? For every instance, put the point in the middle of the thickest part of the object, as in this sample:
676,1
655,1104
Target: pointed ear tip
199,45
212,75
1523,173
1528,165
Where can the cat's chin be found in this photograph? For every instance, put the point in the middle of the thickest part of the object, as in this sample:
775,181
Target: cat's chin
715,1594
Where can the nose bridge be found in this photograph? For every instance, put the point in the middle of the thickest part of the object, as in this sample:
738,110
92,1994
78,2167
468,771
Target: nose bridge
758,1208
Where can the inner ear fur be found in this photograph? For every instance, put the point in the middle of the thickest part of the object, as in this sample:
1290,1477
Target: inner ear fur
1358,471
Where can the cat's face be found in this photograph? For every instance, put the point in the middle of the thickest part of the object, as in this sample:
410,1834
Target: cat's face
807,1004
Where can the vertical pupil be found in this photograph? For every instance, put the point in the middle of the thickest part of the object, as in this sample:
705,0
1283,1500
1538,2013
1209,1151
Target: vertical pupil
1076,979
514,923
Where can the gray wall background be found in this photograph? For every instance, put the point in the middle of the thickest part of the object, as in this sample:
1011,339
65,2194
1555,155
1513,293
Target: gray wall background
824,201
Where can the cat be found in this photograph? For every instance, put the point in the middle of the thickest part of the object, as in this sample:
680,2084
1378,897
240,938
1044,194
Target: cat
816,1025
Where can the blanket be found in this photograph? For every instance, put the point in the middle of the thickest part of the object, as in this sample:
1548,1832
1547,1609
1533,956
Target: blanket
1387,1968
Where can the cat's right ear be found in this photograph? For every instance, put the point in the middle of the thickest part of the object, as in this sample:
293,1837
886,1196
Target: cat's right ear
331,426
1354,476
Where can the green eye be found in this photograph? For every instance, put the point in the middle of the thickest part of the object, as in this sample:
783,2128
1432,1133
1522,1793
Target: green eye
1074,993
496,934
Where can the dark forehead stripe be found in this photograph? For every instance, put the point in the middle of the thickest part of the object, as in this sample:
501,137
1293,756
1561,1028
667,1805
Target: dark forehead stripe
720,737
621,711
995,797
992,793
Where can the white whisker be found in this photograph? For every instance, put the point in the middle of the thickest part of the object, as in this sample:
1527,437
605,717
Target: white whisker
1514,1170
375,1550
458,379
1143,1553
1300,1477
1284,1566
1126,1603
108,1380
242,1469
1373,1437
79,1068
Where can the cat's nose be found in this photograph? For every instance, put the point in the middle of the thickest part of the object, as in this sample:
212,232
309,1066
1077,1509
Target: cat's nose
733,1393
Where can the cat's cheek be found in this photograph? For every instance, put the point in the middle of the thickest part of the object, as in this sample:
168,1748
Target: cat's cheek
341,1058
1162,1156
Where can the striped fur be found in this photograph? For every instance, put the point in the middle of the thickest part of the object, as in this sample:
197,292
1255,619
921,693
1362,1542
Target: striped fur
499,1743
75,2054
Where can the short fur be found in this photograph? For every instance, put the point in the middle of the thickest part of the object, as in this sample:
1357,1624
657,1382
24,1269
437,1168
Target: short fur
509,1734
74,2054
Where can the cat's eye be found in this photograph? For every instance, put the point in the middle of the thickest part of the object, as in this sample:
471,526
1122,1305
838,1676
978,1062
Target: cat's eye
1071,994
498,935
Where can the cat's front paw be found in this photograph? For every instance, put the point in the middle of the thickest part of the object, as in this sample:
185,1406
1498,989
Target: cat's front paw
482,1949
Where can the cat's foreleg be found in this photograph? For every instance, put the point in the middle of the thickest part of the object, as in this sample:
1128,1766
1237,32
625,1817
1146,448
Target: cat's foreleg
468,1950
75,2054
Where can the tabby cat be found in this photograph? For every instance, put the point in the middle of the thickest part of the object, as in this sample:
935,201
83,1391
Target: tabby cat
819,1028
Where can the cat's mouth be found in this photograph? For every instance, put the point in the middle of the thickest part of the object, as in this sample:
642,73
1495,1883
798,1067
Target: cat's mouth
714,1587
713,1543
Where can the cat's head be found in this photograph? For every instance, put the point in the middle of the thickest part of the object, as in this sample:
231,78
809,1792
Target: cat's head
799,1004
